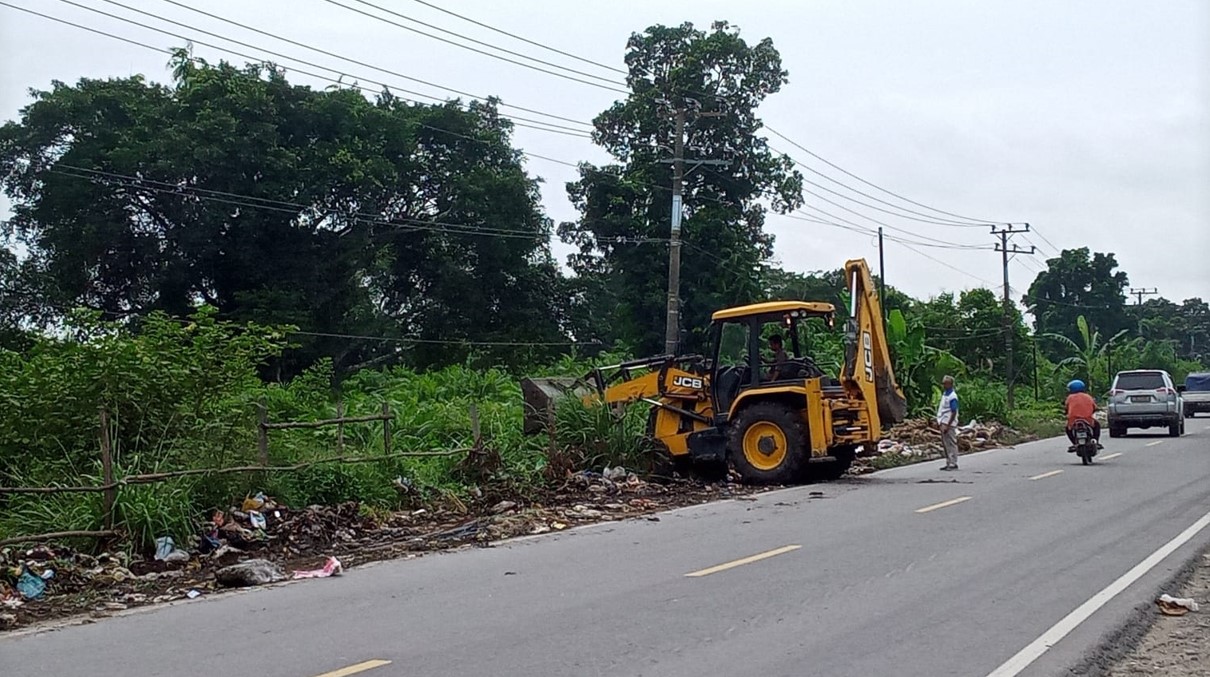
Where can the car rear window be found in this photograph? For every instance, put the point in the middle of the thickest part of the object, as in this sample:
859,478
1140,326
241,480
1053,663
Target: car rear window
1146,380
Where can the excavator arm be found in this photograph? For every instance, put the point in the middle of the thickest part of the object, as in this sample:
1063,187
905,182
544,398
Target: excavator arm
868,372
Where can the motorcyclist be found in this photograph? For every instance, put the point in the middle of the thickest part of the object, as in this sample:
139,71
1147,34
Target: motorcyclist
1081,407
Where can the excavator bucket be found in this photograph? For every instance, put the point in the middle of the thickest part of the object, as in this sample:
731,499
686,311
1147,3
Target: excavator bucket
542,394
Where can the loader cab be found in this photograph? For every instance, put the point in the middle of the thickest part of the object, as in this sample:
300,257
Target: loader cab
740,354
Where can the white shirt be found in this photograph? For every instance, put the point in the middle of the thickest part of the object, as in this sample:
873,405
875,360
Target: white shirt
949,403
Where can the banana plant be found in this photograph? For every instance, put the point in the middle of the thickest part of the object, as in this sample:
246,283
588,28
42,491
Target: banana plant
918,366
1085,357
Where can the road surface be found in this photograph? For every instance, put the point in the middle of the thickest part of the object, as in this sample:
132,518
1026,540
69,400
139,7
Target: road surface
908,572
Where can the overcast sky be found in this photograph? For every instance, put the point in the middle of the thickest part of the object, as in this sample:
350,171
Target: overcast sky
1089,119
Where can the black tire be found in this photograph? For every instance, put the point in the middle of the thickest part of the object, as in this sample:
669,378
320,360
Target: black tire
1188,412
1116,431
778,447
1176,428
1085,457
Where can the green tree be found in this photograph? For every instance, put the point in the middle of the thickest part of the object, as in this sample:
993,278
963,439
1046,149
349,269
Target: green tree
1078,283
718,80
285,205
1087,355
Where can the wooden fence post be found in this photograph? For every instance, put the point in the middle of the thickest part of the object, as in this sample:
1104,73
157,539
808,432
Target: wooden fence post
476,433
110,494
262,433
340,428
386,427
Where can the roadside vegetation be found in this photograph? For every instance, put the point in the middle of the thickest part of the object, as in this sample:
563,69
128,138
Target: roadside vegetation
241,241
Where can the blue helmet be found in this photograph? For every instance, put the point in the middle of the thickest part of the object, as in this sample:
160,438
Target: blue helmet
1076,386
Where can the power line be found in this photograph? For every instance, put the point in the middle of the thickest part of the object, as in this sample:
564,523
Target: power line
525,40
371,66
532,124
931,220
862,230
473,49
946,244
975,222
238,200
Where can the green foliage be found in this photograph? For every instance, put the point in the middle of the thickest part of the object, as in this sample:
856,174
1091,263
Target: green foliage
621,267
919,367
1086,355
1077,283
349,216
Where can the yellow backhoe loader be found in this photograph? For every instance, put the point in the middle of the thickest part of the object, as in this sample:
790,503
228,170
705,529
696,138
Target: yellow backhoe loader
775,423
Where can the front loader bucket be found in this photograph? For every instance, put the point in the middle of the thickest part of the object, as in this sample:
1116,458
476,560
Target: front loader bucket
542,394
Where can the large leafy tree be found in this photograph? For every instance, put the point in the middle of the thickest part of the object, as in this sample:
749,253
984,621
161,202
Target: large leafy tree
1078,283
719,80
282,204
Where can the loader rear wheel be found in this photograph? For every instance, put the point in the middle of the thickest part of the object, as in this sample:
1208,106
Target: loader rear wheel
767,443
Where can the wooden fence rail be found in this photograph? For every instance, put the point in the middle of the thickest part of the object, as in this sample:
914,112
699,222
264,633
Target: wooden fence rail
110,486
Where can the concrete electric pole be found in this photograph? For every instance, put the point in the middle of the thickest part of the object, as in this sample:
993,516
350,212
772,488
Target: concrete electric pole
672,323
1002,246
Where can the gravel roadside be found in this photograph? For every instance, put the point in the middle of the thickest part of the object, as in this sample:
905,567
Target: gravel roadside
1174,646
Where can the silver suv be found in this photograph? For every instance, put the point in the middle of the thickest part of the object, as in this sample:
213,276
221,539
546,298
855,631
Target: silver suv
1144,398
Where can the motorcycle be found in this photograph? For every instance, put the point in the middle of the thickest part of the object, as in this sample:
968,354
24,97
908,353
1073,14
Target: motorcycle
1086,444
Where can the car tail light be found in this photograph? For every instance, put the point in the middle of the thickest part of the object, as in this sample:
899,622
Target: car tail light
1165,391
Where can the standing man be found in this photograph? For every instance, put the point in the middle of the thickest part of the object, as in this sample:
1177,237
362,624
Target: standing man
947,421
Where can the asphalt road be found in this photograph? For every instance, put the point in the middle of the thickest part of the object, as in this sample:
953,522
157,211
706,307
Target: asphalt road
906,572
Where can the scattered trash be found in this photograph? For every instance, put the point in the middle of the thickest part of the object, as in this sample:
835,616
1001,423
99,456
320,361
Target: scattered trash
48,574
331,567
1175,606
615,474
249,573
254,503
257,519
193,594
30,586
8,621
503,507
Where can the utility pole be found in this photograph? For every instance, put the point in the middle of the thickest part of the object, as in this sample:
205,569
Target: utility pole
881,276
1140,293
1035,344
672,324
1002,246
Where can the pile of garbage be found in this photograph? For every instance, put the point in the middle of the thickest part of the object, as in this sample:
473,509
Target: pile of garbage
919,438
260,542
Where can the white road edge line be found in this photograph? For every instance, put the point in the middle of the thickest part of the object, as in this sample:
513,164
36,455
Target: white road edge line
1155,443
1111,456
1015,665
1044,475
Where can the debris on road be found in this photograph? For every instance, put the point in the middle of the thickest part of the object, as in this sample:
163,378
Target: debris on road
1175,606
232,549
250,573
331,567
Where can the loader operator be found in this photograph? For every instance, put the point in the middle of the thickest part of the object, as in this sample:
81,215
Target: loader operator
780,358
1081,407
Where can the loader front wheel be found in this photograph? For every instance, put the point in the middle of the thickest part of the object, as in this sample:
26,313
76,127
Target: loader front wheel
767,442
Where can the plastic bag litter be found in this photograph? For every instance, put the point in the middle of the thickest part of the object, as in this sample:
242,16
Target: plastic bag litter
30,586
1175,606
256,519
331,567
